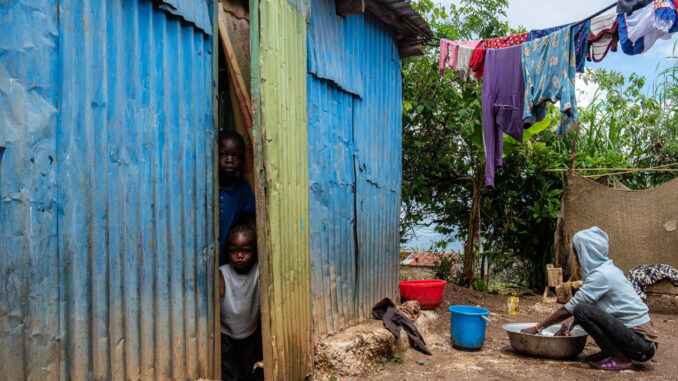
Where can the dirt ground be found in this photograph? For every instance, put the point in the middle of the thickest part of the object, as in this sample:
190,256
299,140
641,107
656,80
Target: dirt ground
498,361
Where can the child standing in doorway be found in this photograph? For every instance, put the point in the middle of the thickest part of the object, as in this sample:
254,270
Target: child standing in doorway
236,200
241,344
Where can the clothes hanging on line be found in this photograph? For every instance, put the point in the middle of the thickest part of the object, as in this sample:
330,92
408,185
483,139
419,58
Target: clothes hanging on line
503,100
549,70
603,36
638,31
581,34
444,54
449,54
665,14
477,61
628,6
463,68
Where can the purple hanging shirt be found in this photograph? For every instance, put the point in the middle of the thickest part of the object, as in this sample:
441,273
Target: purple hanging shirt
503,101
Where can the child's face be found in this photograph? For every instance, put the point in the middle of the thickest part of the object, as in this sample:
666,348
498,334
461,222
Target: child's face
230,156
241,252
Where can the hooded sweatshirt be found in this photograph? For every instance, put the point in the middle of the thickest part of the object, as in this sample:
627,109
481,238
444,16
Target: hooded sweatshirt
605,286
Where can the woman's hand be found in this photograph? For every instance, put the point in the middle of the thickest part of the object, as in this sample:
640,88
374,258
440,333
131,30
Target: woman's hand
530,331
566,328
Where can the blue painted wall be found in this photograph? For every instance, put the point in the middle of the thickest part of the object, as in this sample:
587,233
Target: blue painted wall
106,190
354,133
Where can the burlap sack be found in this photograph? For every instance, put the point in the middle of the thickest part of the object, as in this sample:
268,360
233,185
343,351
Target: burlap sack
642,225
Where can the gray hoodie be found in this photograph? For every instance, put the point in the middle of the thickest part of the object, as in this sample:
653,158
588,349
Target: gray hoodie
605,286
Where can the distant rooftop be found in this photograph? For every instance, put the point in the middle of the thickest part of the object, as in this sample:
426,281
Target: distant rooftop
425,258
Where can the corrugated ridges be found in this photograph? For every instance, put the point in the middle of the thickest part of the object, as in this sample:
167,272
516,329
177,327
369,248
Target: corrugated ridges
194,11
29,305
378,135
332,213
280,75
347,278
135,143
403,9
331,54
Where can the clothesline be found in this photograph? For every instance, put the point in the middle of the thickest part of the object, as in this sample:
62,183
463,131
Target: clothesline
428,40
659,167
523,72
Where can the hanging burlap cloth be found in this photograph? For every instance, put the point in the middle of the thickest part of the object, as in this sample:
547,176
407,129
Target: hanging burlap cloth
642,225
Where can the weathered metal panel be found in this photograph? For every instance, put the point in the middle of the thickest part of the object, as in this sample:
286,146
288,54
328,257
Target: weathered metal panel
29,309
194,11
279,89
332,53
378,137
129,270
332,211
354,219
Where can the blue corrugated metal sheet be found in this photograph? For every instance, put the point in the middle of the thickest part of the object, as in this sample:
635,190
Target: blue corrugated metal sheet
195,11
378,137
112,276
355,167
332,197
332,55
29,288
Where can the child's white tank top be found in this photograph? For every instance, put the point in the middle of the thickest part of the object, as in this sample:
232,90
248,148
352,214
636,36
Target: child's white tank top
240,303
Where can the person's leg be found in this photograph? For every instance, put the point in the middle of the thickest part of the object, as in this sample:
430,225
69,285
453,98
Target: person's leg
611,335
249,353
228,355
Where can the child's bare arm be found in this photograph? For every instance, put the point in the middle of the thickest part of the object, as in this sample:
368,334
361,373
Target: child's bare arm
222,284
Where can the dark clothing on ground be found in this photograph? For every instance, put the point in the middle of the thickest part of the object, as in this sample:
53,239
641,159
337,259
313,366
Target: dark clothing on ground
239,356
393,319
612,335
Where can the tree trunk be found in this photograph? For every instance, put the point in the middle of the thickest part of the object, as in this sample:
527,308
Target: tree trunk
473,233
482,267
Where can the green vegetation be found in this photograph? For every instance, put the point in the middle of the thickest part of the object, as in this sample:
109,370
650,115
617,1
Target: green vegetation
442,267
397,358
511,226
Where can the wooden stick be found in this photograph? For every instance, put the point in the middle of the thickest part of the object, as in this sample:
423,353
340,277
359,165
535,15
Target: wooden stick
658,168
626,172
245,102
574,144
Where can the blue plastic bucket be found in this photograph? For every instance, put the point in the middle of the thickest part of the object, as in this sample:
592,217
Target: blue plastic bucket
467,326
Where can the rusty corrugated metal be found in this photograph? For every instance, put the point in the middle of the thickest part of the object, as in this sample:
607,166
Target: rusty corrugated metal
355,165
109,219
278,42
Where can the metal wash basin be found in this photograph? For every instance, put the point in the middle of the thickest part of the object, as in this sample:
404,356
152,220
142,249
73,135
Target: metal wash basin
545,344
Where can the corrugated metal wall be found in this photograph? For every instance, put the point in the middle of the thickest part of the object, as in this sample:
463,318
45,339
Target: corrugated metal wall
332,197
114,269
355,145
278,43
29,292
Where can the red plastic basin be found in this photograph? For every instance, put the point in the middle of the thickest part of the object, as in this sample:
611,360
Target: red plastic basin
428,292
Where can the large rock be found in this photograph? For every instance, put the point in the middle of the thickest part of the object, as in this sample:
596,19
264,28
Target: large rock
361,348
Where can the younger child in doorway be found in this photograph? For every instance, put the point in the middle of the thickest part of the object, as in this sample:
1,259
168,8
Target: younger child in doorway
236,200
239,288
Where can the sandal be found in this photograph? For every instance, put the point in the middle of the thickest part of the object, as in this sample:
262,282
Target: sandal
609,364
